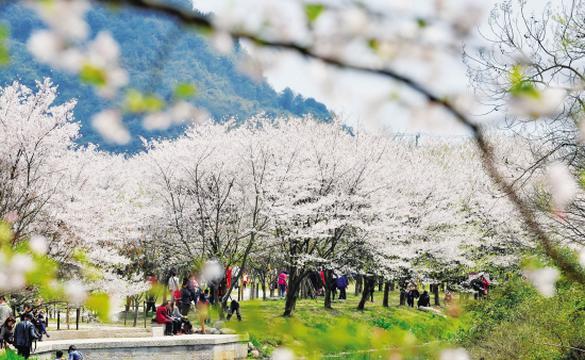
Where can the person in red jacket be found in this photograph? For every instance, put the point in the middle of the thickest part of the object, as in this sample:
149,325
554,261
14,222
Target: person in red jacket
486,284
163,317
282,277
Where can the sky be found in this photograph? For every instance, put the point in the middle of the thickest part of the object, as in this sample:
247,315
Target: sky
353,94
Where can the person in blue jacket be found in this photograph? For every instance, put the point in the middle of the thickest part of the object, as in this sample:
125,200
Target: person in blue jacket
24,335
341,283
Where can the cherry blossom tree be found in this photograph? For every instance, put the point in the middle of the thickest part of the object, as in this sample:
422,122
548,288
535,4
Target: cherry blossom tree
35,136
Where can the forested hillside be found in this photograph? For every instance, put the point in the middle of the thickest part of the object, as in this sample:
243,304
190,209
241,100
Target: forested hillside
158,55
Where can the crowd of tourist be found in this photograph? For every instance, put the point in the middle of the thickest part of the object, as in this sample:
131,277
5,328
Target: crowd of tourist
23,334
173,313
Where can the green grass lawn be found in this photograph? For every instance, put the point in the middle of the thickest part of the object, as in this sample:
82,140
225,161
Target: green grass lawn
344,332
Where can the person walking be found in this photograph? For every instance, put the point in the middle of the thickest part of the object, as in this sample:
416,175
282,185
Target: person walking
282,277
24,335
5,310
342,282
234,309
333,286
40,324
411,294
26,309
173,285
187,295
151,294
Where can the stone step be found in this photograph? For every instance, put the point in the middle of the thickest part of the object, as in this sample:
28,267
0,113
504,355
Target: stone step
98,333
185,347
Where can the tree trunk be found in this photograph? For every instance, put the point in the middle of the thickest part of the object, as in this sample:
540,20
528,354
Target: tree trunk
136,304
392,285
292,293
402,297
386,293
358,285
380,283
436,292
126,309
228,292
219,304
369,283
328,286
264,288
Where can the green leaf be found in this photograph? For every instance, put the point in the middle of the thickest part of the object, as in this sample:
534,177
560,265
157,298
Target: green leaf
137,102
5,233
93,75
566,42
374,44
520,85
532,262
4,53
153,103
100,303
422,23
313,11
185,91
582,179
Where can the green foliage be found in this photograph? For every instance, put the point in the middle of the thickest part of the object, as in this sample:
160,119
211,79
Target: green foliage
422,23
41,273
582,179
4,53
93,75
137,102
374,44
566,42
520,85
314,332
515,322
11,355
100,303
185,91
313,11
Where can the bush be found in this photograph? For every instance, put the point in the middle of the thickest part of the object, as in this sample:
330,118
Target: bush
516,322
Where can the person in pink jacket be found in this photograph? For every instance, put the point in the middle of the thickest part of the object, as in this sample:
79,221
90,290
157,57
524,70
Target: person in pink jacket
282,283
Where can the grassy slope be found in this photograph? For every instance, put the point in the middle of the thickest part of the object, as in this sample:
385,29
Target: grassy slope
517,323
314,331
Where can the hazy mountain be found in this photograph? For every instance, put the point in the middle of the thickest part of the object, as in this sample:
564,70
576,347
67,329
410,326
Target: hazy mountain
158,55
